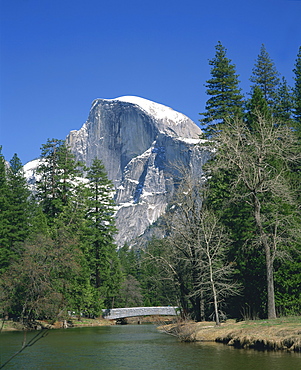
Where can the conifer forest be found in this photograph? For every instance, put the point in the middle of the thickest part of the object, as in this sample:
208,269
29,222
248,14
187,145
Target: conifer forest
232,239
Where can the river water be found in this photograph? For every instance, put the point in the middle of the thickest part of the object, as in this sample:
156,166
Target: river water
135,347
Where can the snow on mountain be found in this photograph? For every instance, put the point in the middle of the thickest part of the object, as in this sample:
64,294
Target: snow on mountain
30,172
166,120
30,167
158,111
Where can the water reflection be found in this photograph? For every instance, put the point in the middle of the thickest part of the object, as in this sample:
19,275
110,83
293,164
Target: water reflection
134,347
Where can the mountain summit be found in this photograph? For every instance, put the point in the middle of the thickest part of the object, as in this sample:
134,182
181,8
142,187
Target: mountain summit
128,124
163,114
140,142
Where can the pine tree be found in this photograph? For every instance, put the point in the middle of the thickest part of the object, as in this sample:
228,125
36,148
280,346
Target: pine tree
265,76
297,94
15,211
257,106
4,224
58,171
283,102
19,200
104,263
157,287
63,199
226,99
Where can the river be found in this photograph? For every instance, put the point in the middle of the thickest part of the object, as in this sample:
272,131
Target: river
133,347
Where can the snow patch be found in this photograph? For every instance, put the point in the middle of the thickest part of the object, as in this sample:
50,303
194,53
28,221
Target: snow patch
32,165
125,205
189,140
147,194
157,110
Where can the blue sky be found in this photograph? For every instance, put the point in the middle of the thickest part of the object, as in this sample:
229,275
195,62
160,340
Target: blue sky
57,56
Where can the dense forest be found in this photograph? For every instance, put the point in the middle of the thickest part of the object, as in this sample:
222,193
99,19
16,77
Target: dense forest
232,245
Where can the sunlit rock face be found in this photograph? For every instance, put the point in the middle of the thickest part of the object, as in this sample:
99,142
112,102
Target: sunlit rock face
142,144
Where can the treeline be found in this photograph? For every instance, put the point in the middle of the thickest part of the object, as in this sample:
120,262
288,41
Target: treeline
57,250
232,245
57,243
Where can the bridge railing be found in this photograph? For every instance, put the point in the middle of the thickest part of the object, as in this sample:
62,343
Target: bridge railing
120,313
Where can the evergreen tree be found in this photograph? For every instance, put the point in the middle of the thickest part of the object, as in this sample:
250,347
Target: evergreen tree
15,210
63,198
226,99
287,285
58,171
156,286
283,102
257,106
297,94
4,223
129,261
19,201
265,76
144,275
104,263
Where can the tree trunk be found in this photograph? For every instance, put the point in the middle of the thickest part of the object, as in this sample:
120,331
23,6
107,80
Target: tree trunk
217,321
97,266
197,309
184,304
268,259
197,301
202,307
214,294
270,285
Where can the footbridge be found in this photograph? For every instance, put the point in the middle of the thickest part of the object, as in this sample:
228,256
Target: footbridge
122,313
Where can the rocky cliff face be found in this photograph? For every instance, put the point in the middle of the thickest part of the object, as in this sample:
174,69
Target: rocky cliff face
141,144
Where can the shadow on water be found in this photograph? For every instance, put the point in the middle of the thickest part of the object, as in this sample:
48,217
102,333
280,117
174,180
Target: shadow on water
133,347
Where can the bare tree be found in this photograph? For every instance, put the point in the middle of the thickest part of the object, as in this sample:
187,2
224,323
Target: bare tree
197,257
217,271
260,160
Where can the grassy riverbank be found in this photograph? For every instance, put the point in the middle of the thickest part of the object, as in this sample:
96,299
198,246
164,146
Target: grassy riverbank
12,325
278,334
